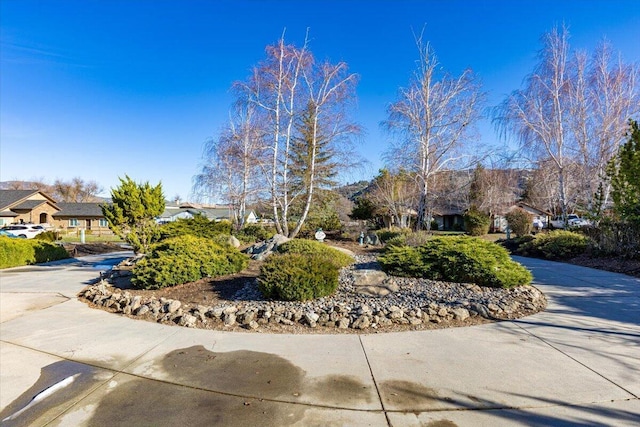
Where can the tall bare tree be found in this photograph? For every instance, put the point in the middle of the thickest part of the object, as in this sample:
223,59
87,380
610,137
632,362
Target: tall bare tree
77,190
432,118
286,85
234,162
572,111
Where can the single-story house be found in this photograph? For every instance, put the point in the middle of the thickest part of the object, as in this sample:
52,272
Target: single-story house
212,214
26,206
78,216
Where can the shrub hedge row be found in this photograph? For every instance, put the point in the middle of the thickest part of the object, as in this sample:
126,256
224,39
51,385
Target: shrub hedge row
457,259
17,252
185,259
555,245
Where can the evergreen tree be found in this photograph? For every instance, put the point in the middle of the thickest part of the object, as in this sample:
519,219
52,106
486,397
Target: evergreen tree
311,155
624,173
132,213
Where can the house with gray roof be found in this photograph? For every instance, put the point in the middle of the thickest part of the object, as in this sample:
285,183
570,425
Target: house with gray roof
76,216
26,206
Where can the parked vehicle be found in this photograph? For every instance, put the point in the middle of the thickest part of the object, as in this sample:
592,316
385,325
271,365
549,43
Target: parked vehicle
7,234
573,220
538,224
26,231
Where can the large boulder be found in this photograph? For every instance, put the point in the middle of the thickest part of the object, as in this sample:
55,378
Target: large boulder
261,250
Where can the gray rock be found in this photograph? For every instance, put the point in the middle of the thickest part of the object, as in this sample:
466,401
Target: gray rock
229,319
143,309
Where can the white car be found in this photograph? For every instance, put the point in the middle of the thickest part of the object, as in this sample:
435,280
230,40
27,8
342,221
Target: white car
25,231
572,219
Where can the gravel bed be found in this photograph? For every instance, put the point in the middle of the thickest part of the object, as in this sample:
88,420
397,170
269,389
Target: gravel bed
417,304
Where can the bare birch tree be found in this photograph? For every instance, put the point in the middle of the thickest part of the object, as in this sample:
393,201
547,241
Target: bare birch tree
432,118
285,86
573,112
233,163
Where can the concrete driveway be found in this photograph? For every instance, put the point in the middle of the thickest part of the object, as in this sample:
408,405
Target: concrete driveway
64,364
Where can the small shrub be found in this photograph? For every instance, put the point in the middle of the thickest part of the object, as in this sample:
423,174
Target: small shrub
387,234
297,277
316,249
520,222
556,245
252,233
414,239
457,259
49,236
17,252
476,223
185,259
198,226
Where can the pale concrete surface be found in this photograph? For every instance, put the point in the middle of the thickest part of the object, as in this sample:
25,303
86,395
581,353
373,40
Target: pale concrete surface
578,363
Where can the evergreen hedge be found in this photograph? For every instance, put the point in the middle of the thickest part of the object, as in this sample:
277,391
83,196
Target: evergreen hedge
185,259
17,252
297,277
457,259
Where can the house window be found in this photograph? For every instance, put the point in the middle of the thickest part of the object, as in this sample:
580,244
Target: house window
73,222
103,222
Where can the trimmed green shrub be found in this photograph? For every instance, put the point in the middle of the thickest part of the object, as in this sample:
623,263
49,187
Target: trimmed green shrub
185,259
17,252
387,234
252,233
49,236
198,226
457,259
556,245
476,223
416,238
520,222
297,277
317,250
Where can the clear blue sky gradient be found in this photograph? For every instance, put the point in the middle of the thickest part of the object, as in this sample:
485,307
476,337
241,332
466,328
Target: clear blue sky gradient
100,89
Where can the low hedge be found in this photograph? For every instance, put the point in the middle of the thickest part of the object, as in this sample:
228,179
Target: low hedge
297,277
316,249
252,233
17,252
185,259
198,226
457,259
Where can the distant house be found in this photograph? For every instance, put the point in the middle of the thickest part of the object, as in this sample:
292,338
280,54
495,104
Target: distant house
172,213
26,206
78,216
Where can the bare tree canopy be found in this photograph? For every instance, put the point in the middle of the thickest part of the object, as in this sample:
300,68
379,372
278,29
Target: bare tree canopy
303,107
432,120
572,112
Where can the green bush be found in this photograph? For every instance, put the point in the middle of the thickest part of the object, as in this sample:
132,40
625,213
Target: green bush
555,245
387,234
49,236
252,233
457,259
198,226
317,250
17,252
520,222
476,223
185,259
416,238
297,277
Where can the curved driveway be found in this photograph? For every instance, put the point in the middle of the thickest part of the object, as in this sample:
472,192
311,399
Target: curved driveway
62,363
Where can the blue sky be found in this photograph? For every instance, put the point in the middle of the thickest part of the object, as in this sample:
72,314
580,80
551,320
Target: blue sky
100,89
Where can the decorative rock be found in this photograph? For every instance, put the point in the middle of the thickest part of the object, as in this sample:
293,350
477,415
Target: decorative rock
460,313
233,241
229,319
187,320
143,309
172,306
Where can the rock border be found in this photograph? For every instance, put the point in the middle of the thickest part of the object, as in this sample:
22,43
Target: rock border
358,312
